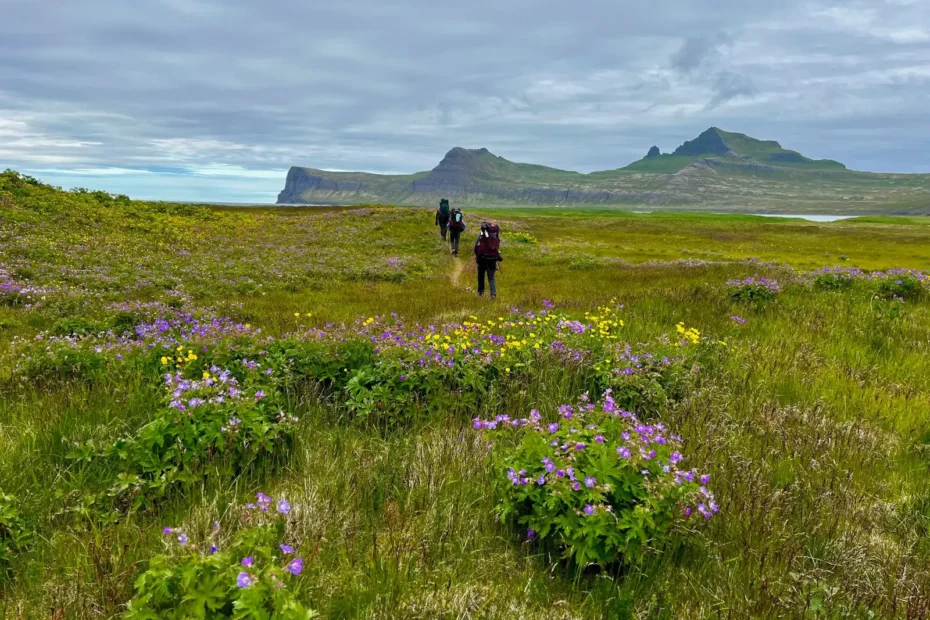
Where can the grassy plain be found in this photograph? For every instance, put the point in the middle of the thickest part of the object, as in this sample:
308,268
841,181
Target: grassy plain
814,425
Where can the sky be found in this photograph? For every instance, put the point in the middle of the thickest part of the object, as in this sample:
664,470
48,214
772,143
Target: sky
216,99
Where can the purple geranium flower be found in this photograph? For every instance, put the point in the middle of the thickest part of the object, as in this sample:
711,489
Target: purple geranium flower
283,507
589,509
243,580
590,481
286,549
247,562
295,566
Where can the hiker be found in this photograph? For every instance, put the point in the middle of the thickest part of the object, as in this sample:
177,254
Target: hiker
487,255
456,226
442,217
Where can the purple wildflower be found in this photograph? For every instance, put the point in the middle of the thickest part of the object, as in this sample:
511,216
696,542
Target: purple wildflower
295,566
243,580
286,549
247,562
283,507
589,509
590,481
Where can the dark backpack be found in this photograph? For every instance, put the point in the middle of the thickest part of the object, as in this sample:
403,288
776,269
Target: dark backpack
458,220
489,242
444,207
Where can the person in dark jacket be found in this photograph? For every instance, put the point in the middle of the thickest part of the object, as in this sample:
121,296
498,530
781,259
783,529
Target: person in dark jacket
442,217
487,256
456,226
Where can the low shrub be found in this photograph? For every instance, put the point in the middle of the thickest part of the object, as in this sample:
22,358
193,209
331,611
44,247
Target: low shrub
836,278
907,287
519,237
248,577
215,418
598,483
754,290
15,532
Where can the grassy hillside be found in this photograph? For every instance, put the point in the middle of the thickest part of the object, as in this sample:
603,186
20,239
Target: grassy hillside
809,411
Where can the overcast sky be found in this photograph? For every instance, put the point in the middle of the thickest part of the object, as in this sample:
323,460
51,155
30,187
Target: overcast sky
215,99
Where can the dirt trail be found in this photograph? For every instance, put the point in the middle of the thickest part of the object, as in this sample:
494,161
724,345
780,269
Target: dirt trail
457,268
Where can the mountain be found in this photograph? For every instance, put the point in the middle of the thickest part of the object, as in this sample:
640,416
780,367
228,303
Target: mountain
716,170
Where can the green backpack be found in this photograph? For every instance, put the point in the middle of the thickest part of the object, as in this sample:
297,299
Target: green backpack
444,207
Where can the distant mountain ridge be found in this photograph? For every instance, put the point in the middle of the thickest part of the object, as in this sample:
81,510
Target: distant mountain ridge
721,168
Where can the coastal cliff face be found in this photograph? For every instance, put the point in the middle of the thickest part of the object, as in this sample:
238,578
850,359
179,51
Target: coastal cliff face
302,180
716,168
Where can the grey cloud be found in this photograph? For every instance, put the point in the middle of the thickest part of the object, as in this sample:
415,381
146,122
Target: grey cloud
392,86
728,85
696,51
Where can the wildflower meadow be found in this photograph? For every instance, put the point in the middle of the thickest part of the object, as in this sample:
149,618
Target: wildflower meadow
211,412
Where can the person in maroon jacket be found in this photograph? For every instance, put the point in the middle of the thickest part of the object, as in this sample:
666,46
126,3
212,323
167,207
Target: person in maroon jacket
487,256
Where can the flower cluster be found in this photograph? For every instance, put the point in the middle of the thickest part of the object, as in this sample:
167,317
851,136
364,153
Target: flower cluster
248,571
216,414
689,334
754,290
890,284
597,479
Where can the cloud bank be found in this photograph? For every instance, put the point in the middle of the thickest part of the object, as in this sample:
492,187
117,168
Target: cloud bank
210,100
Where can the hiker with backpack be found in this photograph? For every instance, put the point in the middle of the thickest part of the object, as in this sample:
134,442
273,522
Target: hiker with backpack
487,256
456,226
442,217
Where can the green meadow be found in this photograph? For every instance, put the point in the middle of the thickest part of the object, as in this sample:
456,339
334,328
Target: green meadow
809,410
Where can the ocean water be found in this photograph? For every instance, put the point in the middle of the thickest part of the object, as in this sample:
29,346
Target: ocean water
807,216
